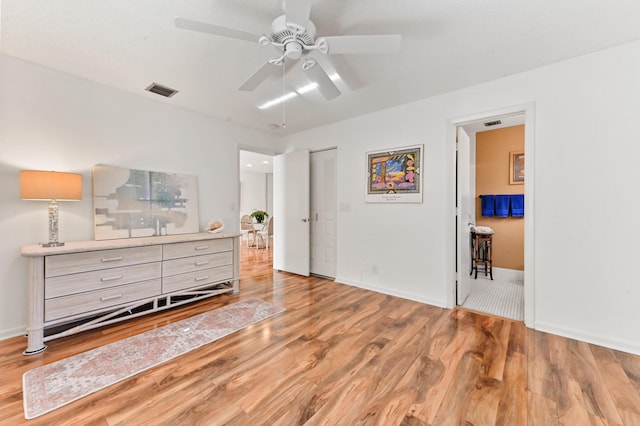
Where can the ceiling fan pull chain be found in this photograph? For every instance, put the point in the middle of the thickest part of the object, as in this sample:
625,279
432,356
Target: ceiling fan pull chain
284,121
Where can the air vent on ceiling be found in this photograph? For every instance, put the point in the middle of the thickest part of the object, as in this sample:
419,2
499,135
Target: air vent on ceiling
492,123
161,90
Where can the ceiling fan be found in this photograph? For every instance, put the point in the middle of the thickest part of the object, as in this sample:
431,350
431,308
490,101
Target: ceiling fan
294,36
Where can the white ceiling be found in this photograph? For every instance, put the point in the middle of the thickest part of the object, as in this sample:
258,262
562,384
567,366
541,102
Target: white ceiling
447,44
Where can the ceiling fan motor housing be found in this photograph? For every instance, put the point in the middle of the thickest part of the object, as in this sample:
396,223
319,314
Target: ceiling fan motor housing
285,35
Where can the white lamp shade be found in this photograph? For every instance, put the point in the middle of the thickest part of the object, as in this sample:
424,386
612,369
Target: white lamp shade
44,185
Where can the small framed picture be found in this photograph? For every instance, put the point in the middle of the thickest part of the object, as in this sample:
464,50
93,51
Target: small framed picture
516,168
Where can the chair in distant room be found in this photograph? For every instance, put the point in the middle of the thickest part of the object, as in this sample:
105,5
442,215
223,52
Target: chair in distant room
266,233
246,229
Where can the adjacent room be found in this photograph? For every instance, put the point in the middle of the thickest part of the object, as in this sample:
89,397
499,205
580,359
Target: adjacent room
311,212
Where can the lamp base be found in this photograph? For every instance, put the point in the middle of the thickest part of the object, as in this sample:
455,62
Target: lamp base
56,244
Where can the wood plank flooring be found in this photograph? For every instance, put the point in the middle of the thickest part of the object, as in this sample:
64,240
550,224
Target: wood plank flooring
340,355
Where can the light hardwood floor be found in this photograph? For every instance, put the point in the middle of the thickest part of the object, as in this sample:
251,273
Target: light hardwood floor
340,355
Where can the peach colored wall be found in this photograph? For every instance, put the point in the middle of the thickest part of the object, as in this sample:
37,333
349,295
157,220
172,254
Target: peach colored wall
492,177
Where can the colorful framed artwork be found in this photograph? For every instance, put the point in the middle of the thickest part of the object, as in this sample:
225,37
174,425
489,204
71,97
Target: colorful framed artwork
516,168
138,203
394,175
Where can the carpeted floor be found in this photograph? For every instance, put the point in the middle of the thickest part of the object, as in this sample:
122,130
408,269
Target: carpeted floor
54,385
501,298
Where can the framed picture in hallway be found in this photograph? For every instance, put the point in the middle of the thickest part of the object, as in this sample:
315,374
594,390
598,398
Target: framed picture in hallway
394,175
516,168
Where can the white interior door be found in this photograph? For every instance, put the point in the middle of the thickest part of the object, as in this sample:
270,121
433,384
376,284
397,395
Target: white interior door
466,215
291,212
323,212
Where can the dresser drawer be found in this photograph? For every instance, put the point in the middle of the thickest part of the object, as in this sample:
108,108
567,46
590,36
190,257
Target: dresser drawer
72,263
83,303
195,279
196,248
196,263
64,285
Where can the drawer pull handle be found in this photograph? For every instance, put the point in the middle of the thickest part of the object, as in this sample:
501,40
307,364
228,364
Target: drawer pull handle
205,277
112,259
115,296
205,262
202,247
113,278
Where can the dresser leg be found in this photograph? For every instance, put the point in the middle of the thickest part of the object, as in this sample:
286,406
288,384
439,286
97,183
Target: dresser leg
34,351
35,307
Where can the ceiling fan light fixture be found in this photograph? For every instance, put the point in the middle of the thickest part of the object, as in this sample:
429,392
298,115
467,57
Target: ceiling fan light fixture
293,50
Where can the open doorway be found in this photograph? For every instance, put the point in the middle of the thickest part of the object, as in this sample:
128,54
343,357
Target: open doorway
491,275
256,194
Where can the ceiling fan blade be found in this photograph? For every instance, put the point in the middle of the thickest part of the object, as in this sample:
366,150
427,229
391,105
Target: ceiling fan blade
297,13
259,76
365,44
203,27
316,73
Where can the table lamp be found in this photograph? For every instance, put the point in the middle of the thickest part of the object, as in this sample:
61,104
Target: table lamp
52,187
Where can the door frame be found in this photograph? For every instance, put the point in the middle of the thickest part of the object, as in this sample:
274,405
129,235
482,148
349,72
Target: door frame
528,109
465,207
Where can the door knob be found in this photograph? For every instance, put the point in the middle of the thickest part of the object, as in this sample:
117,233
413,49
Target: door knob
304,219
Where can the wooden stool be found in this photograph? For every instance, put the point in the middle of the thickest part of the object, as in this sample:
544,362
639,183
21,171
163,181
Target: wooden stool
480,244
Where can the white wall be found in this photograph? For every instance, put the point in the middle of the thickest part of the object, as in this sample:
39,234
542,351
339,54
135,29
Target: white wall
586,186
52,121
255,192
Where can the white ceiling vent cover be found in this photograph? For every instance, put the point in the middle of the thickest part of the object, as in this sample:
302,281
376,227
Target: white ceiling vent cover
161,90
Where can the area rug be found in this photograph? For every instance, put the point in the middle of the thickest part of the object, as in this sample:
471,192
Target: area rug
54,385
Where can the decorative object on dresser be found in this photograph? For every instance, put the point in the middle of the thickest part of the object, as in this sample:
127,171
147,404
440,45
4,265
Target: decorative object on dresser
137,203
214,226
89,284
75,377
52,187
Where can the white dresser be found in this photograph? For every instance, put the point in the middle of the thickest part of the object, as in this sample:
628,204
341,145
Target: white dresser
88,284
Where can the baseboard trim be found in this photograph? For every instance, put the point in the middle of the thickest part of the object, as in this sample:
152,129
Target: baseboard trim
504,274
391,292
617,344
12,332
